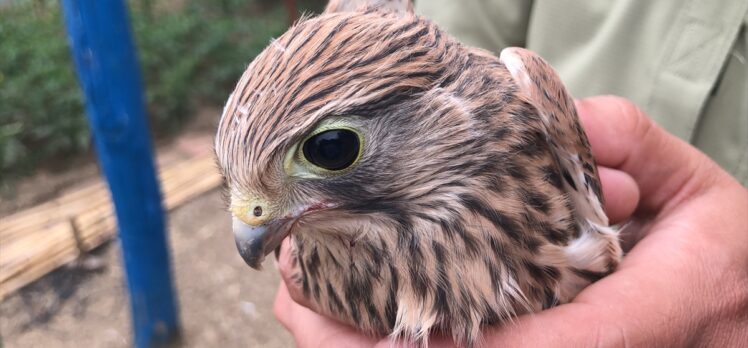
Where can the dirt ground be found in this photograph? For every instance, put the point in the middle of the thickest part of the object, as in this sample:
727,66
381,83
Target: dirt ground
222,302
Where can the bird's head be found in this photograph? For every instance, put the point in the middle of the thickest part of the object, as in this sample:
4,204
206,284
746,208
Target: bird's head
355,123
327,130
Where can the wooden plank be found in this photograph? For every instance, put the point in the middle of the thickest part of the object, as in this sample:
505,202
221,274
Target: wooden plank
36,249
40,239
72,203
64,207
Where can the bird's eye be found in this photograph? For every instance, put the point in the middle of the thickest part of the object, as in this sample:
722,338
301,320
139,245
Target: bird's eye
334,149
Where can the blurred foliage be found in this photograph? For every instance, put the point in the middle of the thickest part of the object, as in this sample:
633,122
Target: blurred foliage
40,106
192,52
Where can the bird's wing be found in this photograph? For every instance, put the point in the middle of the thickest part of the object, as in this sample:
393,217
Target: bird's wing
540,83
596,251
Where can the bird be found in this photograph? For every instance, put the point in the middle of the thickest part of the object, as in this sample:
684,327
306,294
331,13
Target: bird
427,187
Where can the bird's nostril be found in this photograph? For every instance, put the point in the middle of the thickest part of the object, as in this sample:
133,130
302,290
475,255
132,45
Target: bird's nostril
257,211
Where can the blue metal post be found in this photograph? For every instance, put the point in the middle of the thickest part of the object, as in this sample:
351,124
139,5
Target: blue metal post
105,58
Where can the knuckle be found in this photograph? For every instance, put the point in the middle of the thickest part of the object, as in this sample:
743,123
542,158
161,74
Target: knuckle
632,118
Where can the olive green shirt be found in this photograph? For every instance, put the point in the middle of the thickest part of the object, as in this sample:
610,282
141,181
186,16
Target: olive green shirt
684,62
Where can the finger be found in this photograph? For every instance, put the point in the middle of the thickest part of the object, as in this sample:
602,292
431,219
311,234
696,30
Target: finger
571,325
622,137
289,271
620,192
282,307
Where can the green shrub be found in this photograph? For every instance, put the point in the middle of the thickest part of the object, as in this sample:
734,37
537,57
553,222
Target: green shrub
197,55
191,52
41,114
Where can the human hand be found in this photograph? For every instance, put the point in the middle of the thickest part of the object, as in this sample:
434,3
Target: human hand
684,282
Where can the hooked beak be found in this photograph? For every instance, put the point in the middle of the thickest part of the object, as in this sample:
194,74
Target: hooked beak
255,242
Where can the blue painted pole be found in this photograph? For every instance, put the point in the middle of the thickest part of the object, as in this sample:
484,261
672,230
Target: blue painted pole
105,58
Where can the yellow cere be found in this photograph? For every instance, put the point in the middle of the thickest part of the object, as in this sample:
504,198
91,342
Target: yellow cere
243,209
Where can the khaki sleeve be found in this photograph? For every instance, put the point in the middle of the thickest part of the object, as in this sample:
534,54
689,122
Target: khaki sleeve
722,131
489,24
684,62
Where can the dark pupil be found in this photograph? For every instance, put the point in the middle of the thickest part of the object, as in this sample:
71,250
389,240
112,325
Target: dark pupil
334,149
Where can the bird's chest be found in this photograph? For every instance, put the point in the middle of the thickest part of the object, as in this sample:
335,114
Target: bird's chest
382,285
356,281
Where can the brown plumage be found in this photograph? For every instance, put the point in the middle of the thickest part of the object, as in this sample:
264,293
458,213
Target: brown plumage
474,197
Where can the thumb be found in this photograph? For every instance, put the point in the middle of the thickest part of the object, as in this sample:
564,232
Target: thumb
665,168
